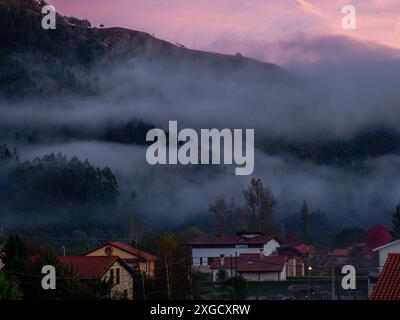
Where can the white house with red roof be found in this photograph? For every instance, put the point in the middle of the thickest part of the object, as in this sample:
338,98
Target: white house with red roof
251,266
385,250
206,248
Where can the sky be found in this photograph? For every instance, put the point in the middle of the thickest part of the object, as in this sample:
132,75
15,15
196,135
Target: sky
231,26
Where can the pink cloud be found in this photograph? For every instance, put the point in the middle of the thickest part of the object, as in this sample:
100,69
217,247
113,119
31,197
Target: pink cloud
202,24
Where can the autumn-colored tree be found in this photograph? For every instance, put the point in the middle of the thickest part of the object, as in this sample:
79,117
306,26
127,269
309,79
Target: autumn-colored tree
377,236
167,250
183,282
174,274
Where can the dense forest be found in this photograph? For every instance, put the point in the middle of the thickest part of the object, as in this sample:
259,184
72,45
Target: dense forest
69,192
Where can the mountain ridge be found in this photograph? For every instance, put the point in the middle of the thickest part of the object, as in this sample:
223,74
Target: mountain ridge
70,46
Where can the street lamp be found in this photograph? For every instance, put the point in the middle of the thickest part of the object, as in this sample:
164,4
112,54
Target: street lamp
309,268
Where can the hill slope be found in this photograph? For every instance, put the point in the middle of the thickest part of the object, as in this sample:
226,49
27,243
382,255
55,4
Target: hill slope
37,63
29,53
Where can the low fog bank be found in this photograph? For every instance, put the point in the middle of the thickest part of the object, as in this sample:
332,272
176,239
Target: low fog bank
172,194
316,100
322,101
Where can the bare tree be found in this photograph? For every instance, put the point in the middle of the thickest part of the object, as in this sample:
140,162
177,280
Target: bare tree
260,204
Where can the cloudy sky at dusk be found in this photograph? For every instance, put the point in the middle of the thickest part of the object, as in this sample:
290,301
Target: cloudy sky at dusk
246,26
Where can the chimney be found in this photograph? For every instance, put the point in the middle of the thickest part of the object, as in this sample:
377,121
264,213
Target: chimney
222,260
261,254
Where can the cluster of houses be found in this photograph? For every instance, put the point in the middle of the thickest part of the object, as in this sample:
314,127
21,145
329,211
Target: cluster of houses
115,261
261,258
255,257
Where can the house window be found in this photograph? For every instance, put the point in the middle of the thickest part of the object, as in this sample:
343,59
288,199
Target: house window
117,278
201,261
108,251
209,261
112,276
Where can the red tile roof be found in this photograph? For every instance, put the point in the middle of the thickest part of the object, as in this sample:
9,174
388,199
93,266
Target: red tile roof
251,262
388,285
340,252
231,240
127,248
228,263
89,267
305,249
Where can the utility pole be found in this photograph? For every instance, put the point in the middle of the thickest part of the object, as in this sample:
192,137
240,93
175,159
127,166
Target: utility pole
230,258
63,248
191,295
143,287
168,285
333,282
337,291
308,284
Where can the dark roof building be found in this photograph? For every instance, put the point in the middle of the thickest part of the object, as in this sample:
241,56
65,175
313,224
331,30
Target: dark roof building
91,267
250,262
257,240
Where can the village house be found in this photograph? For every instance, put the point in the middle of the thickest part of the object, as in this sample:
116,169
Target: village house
342,256
135,258
206,248
306,250
388,285
104,269
385,250
251,266
296,259
338,257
